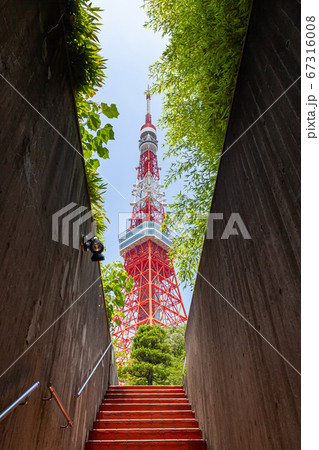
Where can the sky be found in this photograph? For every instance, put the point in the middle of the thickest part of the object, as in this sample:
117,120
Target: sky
130,49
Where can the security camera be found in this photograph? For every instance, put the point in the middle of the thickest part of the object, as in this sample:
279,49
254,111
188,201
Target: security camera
95,246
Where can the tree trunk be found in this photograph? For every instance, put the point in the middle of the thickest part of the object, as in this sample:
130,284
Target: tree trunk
150,377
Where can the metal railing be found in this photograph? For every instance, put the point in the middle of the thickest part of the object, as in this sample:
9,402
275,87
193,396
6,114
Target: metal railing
57,399
94,369
20,401
151,229
23,399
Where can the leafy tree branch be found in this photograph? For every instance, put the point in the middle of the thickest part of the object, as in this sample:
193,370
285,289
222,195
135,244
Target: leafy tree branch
116,284
196,76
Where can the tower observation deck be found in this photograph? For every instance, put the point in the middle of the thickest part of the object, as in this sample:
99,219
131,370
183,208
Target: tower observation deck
155,297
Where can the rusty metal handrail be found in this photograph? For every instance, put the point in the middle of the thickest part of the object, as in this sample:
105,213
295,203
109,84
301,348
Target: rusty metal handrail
57,399
94,369
20,401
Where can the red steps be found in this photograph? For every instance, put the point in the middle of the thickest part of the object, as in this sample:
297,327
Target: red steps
146,387
153,400
146,433
155,395
144,406
145,417
173,444
105,424
145,414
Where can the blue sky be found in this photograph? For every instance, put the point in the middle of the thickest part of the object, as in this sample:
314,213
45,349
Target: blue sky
130,49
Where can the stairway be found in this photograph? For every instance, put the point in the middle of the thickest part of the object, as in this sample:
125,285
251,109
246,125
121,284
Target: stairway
145,417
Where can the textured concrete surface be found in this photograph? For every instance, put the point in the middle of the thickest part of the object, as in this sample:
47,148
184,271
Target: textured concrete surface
245,395
40,278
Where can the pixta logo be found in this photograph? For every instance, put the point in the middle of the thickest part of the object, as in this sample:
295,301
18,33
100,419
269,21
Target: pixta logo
234,226
67,223
182,224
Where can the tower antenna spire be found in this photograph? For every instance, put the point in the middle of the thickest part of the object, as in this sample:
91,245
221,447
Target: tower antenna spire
155,297
148,117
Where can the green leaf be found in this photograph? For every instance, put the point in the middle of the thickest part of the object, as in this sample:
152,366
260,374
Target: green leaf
94,163
103,152
106,133
109,111
87,153
94,121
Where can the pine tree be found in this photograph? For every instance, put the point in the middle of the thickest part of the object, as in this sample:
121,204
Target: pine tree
150,357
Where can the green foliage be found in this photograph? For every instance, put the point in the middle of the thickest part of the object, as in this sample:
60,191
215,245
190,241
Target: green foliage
150,357
96,190
157,356
116,284
176,341
81,22
94,139
94,136
196,76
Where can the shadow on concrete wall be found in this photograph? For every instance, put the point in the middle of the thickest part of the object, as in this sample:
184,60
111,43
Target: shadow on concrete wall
40,279
245,394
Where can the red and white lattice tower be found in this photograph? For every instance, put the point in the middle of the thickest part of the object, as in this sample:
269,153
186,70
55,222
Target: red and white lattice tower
155,297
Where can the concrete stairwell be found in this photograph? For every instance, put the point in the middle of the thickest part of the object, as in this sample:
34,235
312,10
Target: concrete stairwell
145,417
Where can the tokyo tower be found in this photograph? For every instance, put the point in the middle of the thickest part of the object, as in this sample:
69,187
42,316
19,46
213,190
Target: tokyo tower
155,297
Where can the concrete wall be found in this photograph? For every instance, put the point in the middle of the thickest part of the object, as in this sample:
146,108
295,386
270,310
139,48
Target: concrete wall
245,395
40,278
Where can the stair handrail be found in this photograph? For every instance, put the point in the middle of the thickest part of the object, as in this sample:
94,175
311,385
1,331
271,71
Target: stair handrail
77,395
60,404
20,401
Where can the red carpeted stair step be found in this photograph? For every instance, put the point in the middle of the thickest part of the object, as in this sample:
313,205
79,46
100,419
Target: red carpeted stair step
144,391
165,444
140,388
144,400
141,395
146,433
145,406
106,424
145,417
